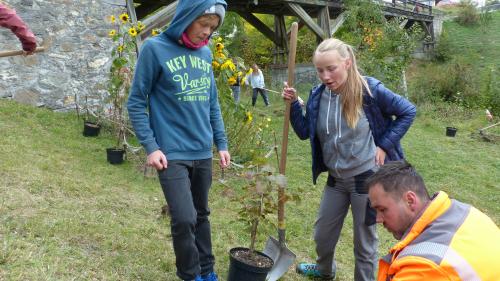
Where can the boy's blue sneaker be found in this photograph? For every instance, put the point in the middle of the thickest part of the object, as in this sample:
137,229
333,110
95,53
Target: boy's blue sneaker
311,270
210,277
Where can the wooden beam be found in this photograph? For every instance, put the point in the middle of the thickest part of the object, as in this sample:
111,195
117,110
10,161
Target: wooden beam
337,23
133,18
259,25
299,12
158,20
324,21
143,10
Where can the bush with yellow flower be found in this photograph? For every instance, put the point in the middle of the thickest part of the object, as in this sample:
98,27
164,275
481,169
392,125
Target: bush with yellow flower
249,134
123,35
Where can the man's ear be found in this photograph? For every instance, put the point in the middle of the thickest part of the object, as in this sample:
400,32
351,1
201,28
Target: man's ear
412,200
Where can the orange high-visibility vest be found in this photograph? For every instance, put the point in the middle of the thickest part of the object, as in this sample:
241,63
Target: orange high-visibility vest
449,241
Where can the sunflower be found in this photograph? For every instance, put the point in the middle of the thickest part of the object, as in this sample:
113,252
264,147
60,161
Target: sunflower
155,32
248,117
112,33
215,64
219,47
228,64
124,17
120,48
231,80
132,31
112,19
220,55
140,26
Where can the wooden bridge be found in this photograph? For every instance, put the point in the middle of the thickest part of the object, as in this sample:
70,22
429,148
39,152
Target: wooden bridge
322,17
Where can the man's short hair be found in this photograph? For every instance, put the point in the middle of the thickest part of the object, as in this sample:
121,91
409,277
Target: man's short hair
397,177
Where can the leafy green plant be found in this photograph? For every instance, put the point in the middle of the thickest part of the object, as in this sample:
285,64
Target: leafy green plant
443,50
383,48
467,14
245,131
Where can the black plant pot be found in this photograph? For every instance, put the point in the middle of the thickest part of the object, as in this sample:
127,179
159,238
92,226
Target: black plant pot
451,131
115,155
240,271
91,129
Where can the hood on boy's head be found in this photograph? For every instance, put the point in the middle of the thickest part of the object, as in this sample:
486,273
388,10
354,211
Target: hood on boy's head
187,11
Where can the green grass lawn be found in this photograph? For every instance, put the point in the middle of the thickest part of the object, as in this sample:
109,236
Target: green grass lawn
66,214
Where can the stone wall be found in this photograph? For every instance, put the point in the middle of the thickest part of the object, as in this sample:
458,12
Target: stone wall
76,62
305,74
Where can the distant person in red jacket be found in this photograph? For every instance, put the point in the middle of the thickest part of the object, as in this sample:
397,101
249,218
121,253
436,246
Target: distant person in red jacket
10,20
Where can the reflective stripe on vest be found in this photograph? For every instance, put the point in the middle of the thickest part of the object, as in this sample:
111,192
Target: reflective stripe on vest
434,243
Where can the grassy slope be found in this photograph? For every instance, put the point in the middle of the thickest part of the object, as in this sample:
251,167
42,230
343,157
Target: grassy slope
66,214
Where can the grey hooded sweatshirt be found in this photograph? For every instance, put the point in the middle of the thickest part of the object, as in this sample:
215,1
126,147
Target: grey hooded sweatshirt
347,152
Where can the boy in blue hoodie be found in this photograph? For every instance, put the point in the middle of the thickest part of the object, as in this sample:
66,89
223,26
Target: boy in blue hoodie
175,113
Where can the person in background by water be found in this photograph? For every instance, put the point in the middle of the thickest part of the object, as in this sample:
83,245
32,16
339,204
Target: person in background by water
256,81
236,87
440,238
9,19
354,125
178,121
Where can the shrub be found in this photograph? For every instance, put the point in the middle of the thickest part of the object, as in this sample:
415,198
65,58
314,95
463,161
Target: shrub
492,93
467,14
443,51
450,82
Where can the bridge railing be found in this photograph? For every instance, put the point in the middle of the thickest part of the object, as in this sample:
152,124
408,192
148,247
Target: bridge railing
411,5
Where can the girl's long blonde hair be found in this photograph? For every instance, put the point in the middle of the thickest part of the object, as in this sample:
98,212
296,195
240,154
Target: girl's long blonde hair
352,90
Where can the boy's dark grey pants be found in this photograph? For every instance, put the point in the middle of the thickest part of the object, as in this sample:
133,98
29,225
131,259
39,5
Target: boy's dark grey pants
338,195
185,185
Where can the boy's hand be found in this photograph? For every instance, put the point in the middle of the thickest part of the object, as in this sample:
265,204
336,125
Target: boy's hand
225,159
158,160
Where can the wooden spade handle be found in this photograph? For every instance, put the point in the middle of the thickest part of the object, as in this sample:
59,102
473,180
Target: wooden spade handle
284,145
19,52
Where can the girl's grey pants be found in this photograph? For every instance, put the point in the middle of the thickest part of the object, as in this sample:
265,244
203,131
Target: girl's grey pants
338,195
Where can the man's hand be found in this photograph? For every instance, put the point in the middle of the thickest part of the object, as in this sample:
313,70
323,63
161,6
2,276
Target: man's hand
225,159
157,160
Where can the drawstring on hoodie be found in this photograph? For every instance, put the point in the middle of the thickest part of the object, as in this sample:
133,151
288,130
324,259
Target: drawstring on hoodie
328,112
339,119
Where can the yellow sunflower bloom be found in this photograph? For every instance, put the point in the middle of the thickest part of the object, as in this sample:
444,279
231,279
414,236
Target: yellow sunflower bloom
112,33
219,47
240,74
248,117
124,17
228,64
120,48
215,64
132,31
220,55
155,32
112,19
140,26
231,80
249,71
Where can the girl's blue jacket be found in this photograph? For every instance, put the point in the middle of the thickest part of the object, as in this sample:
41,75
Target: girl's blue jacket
380,109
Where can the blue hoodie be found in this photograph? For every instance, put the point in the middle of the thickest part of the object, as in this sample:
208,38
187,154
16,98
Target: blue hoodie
173,103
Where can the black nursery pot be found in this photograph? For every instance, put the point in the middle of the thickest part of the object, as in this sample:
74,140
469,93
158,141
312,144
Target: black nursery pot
114,155
239,271
451,131
91,129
